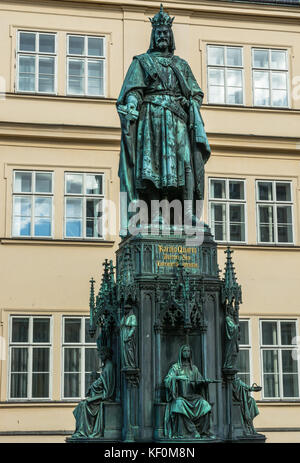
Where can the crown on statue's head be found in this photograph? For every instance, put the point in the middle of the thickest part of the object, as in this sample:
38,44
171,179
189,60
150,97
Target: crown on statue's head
161,18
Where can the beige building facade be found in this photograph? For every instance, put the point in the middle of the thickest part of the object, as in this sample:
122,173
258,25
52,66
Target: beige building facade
62,67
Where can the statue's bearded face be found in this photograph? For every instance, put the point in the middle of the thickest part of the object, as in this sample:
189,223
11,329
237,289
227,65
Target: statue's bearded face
162,38
186,353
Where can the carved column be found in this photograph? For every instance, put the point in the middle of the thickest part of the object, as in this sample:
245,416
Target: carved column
229,375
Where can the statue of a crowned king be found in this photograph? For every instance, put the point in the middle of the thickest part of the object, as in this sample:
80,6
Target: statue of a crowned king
164,145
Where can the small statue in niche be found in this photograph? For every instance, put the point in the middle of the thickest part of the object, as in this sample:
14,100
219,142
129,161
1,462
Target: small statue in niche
128,328
241,392
89,412
187,412
232,333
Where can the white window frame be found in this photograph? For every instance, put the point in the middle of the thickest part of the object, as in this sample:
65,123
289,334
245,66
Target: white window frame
227,203
248,348
274,203
84,196
278,347
82,345
30,345
270,70
225,67
33,194
36,54
86,58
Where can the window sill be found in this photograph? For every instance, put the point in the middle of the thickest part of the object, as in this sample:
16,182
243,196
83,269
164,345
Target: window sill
278,401
51,241
53,96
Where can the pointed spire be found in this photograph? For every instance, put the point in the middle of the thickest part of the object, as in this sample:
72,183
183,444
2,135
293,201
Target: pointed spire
231,288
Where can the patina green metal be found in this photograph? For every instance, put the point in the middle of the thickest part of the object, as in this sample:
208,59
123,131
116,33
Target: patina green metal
89,412
165,297
164,145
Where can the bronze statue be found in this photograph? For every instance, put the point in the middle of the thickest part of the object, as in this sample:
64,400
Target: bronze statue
241,392
89,412
164,145
232,333
187,412
128,327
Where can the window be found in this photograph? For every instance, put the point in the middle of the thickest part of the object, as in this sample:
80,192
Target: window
80,358
280,368
36,62
270,77
243,364
225,75
274,212
86,65
32,203
83,205
30,357
227,204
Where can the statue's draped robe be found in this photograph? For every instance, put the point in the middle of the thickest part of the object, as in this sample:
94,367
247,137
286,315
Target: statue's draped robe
169,134
184,402
128,340
89,412
231,342
249,409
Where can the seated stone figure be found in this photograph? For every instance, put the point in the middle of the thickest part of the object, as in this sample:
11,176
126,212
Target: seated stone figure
241,392
187,412
89,412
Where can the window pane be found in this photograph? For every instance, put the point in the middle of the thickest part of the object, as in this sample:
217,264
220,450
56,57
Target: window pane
40,385
47,43
215,76
265,192
244,332
26,83
234,56
215,55
27,41
18,385
290,385
289,365
91,360
23,182
95,69
278,59
237,219
266,215
40,359
236,189
261,58
269,333
76,85
234,78
94,184
95,46
279,98
271,385
73,228
93,208
74,184
237,232
19,359
21,226
74,207
217,189
72,329
71,385
76,67
236,213
27,65
22,206
283,192
216,95
43,207
284,214
261,79
234,95
42,227
218,214
243,363
41,330
76,45
93,211
270,361
46,75
20,329
72,361
95,86
43,182
261,97
279,80
288,332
